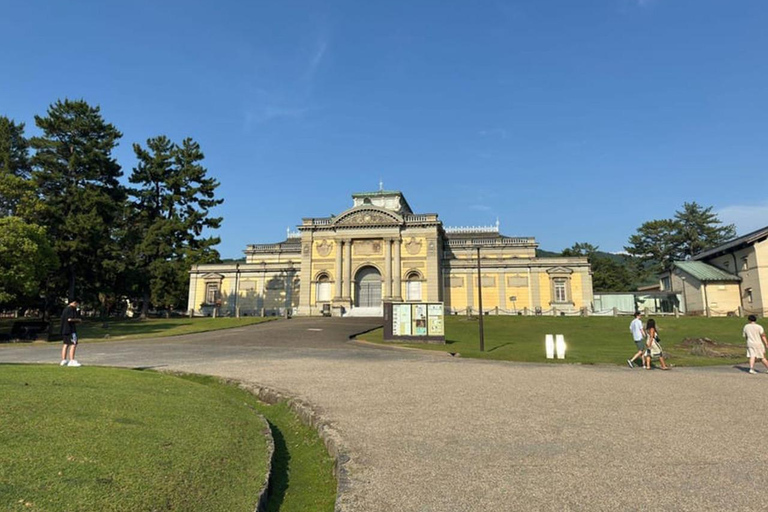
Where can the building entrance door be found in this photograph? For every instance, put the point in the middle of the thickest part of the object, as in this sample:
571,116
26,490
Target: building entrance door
368,288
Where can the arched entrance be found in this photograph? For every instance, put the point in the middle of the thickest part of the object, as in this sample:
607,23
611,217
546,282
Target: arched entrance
368,288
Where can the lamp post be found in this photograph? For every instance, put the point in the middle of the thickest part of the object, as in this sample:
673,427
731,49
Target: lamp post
480,300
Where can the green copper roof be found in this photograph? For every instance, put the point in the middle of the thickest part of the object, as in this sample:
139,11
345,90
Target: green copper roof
704,272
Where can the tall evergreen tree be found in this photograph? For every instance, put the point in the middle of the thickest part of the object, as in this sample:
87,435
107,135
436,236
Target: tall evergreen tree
77,179
693,229
699,229
171,211
17,192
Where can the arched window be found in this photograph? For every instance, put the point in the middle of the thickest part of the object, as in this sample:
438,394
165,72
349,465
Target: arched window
323,288
413,287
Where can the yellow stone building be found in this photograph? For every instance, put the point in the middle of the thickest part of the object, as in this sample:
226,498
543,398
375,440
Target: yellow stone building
379,250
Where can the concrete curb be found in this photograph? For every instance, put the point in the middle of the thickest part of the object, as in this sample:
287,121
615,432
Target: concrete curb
311,416
263,500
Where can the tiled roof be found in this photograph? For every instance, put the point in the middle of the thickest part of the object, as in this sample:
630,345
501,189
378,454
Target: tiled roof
704,272
736,243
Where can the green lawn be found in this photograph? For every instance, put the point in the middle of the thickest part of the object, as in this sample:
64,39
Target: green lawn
302,471
589,340
112,440
98,330
160,327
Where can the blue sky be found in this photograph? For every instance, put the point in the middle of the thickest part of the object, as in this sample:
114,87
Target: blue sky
571,121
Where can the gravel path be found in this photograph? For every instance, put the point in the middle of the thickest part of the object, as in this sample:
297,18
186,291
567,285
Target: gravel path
427,432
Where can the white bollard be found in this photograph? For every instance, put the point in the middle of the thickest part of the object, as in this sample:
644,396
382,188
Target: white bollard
549,346
560,346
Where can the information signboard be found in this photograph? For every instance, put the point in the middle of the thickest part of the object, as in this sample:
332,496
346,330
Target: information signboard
414,321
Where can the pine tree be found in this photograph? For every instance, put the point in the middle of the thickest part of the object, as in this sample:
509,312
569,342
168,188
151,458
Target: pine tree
17,192
171,211
699,229
695,228
77,179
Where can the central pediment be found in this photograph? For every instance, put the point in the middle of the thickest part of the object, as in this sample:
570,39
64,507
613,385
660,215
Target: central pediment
368,216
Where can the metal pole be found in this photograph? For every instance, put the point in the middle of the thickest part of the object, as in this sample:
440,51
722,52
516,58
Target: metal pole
480,301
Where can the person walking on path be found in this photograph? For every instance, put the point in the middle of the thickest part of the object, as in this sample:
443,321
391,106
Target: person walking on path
756,342
651,340
69,321
638,335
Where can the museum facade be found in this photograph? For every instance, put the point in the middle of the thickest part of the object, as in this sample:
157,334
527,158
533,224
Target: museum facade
379,250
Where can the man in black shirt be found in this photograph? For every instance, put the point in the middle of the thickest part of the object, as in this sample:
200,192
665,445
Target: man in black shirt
69,322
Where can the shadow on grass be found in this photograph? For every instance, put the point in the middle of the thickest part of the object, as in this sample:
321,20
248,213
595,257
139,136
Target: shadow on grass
281,461
499,346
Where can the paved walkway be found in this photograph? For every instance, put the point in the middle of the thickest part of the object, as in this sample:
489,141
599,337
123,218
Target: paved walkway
428,432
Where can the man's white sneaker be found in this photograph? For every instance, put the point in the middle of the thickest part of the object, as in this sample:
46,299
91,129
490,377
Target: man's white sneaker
63,362
74,363
751,370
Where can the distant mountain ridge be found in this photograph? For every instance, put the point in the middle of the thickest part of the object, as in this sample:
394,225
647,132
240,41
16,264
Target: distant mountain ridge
619,258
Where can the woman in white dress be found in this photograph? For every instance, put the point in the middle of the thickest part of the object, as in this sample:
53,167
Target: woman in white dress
650,331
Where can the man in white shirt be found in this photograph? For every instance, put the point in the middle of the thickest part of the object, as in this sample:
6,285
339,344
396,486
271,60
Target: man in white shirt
756,341
638,335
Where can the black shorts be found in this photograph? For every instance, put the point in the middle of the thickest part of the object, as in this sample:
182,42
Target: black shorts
70,339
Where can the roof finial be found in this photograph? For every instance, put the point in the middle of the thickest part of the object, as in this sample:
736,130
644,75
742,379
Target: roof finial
381,185
497,223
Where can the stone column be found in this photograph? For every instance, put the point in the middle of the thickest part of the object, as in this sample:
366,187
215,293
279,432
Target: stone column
387,268
397,271
337,270
347,269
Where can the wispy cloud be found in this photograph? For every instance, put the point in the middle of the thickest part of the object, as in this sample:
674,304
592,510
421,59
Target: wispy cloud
747,218
317,58
480,207
291,97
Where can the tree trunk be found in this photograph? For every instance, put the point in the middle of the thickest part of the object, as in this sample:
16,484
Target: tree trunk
144,305
71,290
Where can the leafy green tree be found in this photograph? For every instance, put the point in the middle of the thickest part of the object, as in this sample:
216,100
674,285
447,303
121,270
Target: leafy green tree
609,274
695,228
82,199
699,229
655,244
171,212
26,258
17,192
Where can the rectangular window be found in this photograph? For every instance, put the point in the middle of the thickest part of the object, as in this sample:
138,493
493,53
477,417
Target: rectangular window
744,263
748,295
413,291
323,290
212,293
560,291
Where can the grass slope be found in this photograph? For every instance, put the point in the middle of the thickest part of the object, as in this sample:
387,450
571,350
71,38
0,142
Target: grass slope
98,330
589,340
302,470
161,327
114,440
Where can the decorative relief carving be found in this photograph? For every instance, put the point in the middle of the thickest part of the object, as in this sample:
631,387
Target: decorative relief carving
367,247
305,249
413,246
367,218
324,248
431,248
